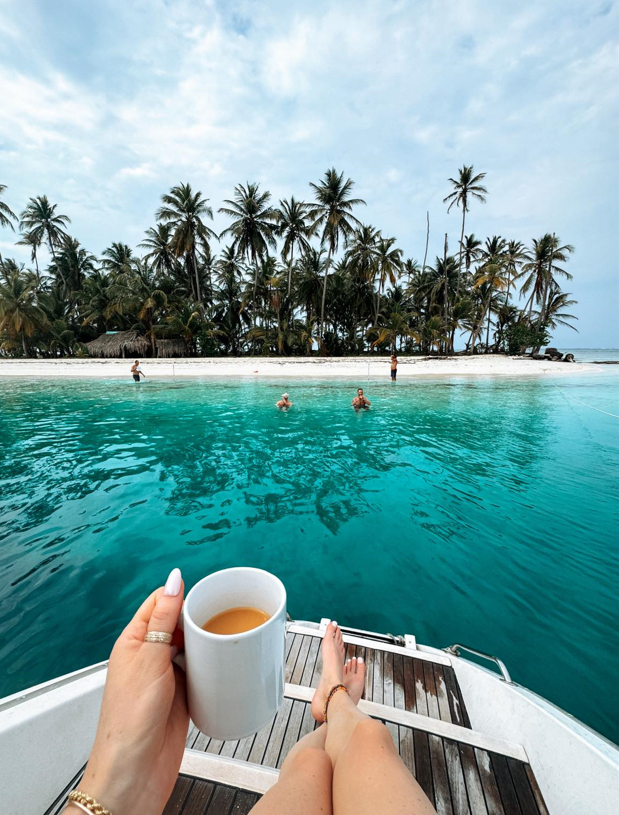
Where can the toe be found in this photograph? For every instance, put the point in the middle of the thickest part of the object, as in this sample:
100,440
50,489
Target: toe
353,665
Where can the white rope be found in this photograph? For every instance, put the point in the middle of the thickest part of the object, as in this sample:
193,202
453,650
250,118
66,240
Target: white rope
573,398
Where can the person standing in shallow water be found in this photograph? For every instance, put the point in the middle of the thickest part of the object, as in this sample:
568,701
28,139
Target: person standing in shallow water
136,370
360,402
394,367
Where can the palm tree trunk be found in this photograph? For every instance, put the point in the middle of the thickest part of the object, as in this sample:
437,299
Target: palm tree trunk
324,293
24,344
488,329
195,271
290,268
460,257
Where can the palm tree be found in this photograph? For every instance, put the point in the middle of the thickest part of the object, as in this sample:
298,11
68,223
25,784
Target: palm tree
117,259
471,250
41,220
332,216
388,265
20,316
555,309
540,269
72,265
184,210
397,325
32,240
310,283
514,255
6,213
492,274
230,313
466,187
293,227
253,226
159,253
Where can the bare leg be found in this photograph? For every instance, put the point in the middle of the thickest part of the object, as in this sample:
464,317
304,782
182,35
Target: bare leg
368,774
304,786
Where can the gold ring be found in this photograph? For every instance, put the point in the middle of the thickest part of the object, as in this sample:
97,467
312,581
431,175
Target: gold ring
158,636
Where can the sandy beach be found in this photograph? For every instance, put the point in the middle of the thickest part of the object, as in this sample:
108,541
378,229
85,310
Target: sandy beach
292,367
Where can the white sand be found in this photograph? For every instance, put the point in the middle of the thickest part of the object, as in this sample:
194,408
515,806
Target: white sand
290,368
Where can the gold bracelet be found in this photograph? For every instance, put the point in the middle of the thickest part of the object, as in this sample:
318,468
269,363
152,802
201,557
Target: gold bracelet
87,803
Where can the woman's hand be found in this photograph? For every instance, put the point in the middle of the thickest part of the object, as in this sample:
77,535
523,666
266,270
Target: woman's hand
144,719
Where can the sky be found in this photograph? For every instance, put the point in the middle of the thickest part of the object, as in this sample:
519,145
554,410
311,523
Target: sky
106,105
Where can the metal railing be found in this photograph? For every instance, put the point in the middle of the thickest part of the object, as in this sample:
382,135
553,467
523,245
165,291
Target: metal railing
454,650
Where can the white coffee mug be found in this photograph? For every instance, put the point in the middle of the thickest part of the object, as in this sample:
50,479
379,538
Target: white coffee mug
235,682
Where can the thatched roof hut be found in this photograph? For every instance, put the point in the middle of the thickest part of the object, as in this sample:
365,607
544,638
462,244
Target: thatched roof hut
119,344
171,348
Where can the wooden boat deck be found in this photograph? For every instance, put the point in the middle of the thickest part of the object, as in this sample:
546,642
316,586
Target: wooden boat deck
461,772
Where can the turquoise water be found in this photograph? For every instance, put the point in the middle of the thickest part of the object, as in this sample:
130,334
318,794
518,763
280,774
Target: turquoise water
471,510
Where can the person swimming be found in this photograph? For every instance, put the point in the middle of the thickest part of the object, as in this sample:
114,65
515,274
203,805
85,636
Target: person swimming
284,402
360,402
136,370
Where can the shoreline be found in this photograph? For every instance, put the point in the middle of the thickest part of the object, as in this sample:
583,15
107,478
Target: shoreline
293,367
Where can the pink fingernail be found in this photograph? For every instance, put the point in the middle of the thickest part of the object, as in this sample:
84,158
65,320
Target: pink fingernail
173,583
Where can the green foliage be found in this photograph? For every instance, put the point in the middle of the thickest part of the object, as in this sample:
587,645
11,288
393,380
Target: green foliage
302,278
520,336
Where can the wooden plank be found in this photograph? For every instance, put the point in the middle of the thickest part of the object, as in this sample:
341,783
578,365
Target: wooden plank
292,735
199,797
214,746
292,656
440,778
474,790
192,735
526,799
229,748
505,784
317,670
289,640
388,690
244,748
179,795
407,747
201,743
259,746
431,699
301,660
278,732
421,699
488,782
410,699
369,673
244,802
423,767
537,793
310,663
394,733
441,693
377,682
222,801
453,697
308,722
399,694
459,798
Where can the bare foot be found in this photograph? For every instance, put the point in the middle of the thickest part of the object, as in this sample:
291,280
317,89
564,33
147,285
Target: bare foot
332,668
354,678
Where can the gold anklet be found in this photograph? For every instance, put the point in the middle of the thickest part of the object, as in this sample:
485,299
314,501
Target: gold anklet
332,693
87,803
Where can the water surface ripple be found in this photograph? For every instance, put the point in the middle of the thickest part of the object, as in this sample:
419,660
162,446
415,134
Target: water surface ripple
480,511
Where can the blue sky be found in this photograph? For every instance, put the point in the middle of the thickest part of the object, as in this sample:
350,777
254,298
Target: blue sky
107,104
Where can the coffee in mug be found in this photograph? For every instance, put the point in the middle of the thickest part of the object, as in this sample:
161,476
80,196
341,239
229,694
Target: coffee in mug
236,620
